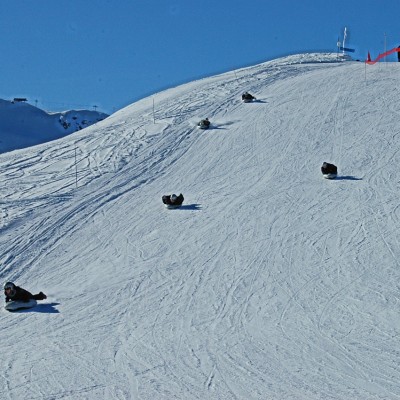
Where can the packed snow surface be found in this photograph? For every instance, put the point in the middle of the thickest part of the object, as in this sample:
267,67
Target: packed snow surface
270,282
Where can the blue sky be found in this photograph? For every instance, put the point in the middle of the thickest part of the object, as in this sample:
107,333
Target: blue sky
78,54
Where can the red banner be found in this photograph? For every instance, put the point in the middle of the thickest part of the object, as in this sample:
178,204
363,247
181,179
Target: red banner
371,62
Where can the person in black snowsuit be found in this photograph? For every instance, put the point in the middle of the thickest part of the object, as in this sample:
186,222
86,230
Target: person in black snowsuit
16,293
173,200
247,97
327,169
204,123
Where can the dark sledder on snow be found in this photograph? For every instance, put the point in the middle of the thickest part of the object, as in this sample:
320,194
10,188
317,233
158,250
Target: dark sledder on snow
247,97
204,124
18,298
173,201
329,171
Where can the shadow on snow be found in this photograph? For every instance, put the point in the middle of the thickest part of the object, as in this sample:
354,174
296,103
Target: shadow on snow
348,178
48,308
188,207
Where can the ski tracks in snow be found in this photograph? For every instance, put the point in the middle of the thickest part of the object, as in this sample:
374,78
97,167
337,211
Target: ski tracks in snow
270,290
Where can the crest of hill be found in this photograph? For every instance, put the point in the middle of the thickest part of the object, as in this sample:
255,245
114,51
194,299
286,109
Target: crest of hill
23,125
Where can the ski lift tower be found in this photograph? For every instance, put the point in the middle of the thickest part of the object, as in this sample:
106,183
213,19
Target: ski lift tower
341,47
344,40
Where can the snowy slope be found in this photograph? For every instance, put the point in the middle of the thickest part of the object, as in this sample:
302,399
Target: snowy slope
23,125
269,283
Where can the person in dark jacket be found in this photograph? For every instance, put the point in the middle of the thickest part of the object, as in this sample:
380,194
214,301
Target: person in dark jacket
247,97
173,200
16,293
329,169
204,124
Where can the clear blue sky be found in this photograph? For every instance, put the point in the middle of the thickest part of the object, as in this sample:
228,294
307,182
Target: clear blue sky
109,53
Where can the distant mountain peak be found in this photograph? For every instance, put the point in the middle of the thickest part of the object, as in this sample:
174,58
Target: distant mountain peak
23,125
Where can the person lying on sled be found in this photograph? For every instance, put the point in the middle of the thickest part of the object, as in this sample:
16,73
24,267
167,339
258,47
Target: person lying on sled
247,97
204,123
16,293
173,200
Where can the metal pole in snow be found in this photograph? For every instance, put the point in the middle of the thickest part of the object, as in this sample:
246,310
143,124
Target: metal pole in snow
76,171
365,72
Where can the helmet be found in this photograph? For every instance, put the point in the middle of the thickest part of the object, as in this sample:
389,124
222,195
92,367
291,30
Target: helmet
12,287
174,197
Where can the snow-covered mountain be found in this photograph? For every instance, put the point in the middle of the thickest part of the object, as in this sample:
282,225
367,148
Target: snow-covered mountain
269,283
23,125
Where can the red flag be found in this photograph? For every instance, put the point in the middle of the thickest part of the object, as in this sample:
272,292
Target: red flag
387,53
